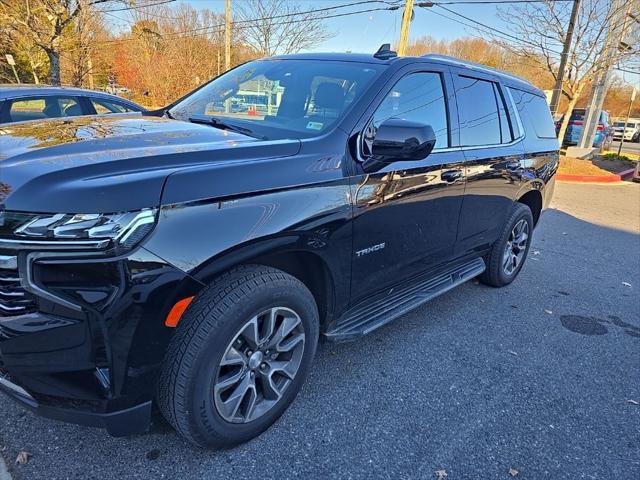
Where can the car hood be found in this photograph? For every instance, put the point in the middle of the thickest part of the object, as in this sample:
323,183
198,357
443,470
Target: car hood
111,164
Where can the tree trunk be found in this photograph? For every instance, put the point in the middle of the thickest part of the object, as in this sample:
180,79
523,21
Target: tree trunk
566,118
54,66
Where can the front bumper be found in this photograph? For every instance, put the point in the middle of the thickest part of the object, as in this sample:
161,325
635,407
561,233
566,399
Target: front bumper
88,347
120,423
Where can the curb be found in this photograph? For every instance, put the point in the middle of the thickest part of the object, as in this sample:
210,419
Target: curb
4,473
613,178
627,174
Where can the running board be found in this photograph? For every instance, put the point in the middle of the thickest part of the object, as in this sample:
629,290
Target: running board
370,315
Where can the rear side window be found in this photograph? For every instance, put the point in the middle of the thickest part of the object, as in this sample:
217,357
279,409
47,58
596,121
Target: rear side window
418,97
535,108
105,106
577,115
478,112
37,108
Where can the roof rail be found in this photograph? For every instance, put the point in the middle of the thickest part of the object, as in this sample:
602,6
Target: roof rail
477,66
385,52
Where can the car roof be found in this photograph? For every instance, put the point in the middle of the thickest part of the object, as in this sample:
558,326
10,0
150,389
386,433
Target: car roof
12,90
509,78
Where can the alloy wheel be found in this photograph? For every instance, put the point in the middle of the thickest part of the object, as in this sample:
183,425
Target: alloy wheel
516,247
259,364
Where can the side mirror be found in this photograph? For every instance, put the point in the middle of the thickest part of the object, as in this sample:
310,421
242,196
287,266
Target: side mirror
400,140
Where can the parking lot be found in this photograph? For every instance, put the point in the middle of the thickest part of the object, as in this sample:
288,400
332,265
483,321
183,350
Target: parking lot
540,377
627,147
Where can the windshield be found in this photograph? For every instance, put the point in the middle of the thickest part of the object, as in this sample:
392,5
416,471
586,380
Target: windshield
279,99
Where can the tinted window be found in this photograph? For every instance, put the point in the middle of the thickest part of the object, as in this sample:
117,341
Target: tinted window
478,112
535,108
418,97
577,115
36,108
105,106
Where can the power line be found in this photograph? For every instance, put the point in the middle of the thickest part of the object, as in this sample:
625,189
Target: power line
238,24
136,7
486,2
500,33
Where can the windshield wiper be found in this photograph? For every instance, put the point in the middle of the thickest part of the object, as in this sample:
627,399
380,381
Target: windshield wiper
217,123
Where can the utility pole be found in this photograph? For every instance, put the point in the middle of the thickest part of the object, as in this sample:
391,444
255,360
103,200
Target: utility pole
615,35
557,90
404,30
227,35
633,97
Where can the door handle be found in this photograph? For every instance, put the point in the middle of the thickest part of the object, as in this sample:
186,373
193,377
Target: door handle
451,176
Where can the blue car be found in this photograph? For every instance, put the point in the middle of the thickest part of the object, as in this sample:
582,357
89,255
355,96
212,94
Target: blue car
21,103
604,133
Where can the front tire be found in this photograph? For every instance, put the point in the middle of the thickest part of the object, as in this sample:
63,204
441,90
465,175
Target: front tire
239,356
509,252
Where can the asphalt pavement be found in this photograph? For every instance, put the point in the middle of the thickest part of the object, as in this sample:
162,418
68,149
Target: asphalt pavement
627,147
540,378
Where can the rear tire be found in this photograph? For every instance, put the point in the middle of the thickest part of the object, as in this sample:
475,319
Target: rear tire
509,252
222,351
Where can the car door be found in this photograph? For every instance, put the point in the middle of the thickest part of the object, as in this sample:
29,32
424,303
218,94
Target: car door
494,154
406,213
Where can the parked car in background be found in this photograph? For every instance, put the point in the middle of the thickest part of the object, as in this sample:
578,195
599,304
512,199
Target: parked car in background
20,103
628,131
192,259
636,136
604,133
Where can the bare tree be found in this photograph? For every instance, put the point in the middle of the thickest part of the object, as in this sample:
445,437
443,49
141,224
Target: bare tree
273,27
541,29
45,22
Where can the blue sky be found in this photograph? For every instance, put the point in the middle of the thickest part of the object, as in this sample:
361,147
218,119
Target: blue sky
366,32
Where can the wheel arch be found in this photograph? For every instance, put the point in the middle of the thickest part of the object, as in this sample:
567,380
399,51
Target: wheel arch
532,196
281,253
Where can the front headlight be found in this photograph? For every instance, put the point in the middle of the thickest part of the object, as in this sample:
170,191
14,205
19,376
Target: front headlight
124,229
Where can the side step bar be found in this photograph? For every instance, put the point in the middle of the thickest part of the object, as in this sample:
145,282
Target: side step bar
364,318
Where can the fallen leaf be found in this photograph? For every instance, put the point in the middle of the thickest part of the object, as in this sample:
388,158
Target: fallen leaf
513,353
626,284
441,474
23,458
514,306
633,402
536,252
548,312
513,472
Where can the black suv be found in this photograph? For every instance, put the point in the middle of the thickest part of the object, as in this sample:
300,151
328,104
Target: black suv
192,259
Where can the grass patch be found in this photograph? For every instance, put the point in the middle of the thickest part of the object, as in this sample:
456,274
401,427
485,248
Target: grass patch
626,157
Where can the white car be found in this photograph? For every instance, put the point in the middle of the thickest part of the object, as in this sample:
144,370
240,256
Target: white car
619,129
